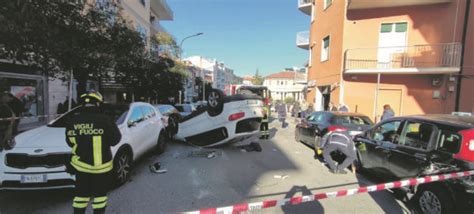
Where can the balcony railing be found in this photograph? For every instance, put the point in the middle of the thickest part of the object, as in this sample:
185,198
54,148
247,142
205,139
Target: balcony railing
305,6
370,4
423,59
302,39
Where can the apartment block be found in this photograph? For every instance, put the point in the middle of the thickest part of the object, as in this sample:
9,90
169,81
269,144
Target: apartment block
415,55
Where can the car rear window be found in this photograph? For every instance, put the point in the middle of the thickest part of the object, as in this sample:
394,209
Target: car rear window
354,120
449,141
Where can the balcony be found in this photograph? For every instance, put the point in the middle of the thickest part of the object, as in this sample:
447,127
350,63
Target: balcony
370,4
302,40
419,59
161,9
305,6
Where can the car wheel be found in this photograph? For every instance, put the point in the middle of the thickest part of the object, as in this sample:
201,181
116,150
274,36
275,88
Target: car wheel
434,200
122,166
215,101
161,143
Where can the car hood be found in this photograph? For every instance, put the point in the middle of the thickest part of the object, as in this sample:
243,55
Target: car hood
43,136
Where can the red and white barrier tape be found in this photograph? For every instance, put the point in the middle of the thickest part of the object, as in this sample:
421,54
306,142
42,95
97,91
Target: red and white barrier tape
29,117
237,208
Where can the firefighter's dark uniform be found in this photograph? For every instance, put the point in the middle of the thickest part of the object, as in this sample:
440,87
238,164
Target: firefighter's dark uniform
342,142
264,132
91,134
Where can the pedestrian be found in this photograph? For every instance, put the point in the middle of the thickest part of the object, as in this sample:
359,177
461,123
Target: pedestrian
343,107
310,109
341,142
296,109
387,112
303,108
264,133
332,107
91,135
282,114
7,122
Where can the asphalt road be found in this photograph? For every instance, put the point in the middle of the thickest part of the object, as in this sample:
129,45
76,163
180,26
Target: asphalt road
283,169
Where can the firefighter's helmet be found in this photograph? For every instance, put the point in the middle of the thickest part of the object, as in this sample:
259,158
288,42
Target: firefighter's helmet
92,96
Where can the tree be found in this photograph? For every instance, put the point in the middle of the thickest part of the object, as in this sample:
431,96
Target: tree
257,79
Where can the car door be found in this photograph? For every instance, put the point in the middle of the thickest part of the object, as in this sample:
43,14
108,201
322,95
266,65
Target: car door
137,129
410,157
375,147
152,128
308,127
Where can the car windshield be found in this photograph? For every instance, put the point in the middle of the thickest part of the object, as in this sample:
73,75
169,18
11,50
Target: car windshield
116,112
353,120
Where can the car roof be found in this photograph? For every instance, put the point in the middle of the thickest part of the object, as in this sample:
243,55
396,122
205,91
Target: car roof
445,119
341,113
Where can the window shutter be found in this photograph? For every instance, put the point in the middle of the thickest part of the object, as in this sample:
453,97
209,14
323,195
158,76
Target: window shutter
386,28
401,27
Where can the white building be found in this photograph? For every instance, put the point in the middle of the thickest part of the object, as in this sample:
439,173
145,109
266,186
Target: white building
247,80
213,71
286,84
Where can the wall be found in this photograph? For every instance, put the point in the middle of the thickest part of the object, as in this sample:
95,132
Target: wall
361,30
329,21
467,87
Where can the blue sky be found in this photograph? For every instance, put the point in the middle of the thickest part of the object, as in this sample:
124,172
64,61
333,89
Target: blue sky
244,34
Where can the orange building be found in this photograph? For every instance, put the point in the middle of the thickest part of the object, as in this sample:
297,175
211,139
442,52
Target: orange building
415,55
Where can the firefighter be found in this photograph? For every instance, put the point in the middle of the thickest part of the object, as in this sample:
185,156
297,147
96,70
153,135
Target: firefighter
91,134
264,133
343,143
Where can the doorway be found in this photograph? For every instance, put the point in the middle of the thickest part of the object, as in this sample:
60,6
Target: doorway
392,39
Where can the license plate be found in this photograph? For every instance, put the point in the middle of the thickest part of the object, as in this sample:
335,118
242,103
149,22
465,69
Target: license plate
252,101
34,179
353,133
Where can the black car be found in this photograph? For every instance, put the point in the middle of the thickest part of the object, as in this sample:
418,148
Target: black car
408,147
313,127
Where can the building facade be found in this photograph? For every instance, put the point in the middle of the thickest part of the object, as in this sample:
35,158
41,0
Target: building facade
286,84
366,54
213,71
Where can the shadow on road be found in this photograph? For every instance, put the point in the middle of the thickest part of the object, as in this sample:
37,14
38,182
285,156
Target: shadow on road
314,206
33,201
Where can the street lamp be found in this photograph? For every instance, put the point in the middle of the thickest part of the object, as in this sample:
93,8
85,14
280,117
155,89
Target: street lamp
187,37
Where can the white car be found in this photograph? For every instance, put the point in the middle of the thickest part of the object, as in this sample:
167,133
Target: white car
37,159
224,120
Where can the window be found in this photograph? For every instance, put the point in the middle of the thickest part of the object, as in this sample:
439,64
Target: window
310,56
317,117
394,27
327,3
313,12
416,135
449,141
136,116
386,132
325,49
355,120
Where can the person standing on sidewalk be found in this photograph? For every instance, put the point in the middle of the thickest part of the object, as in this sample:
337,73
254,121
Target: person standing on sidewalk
343,143
387,112
7,121
91,134
264,132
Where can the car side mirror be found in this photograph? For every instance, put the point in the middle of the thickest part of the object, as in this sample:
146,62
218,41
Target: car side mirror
131,123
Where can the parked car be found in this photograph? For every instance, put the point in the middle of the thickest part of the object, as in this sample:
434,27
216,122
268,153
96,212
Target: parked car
185,109
224,120
408,147
170,117
311,129
37,160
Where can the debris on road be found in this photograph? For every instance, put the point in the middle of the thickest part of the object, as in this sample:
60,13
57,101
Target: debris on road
155,168
251,148
283,177
204,154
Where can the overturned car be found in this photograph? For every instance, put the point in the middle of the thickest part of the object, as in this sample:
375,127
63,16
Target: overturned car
225,120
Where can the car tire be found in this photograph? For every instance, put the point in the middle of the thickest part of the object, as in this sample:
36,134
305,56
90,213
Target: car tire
161,142
215,101
122,166
434,199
